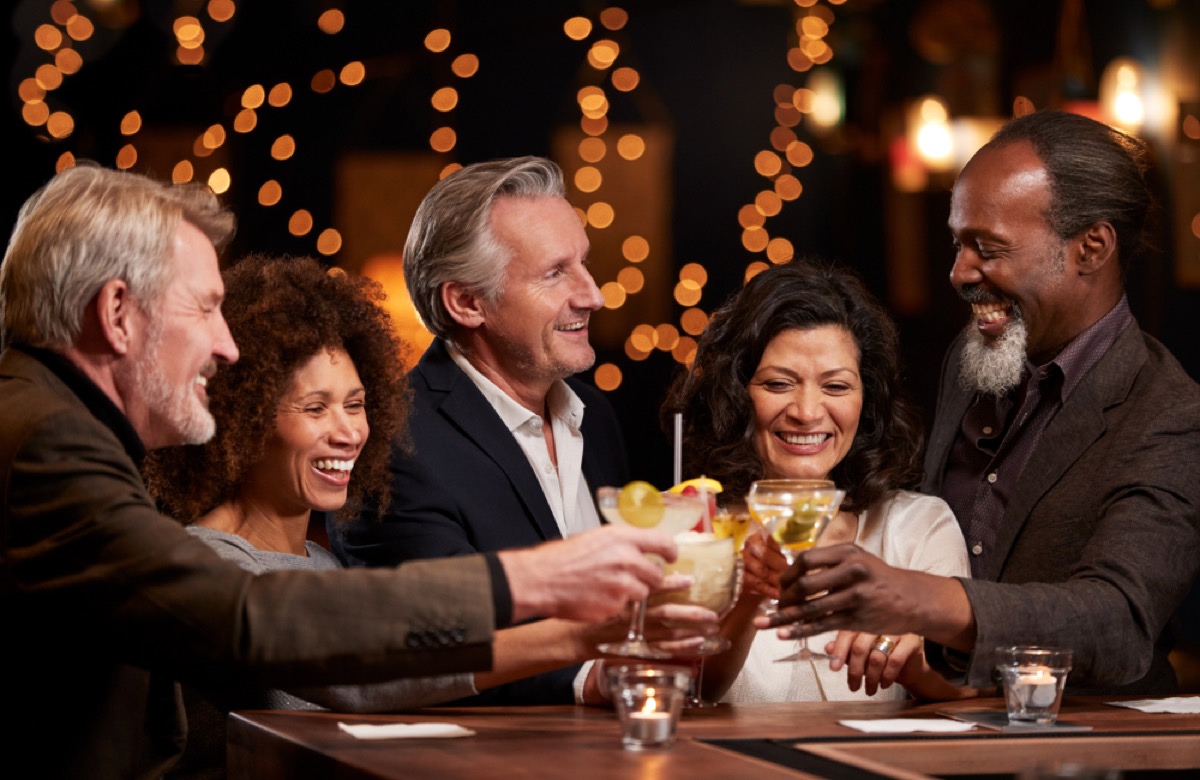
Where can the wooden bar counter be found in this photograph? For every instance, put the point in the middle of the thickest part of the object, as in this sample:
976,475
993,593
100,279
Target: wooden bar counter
792,740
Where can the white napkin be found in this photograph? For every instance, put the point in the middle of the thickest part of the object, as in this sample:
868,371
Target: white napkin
1183,705
403,730
906,725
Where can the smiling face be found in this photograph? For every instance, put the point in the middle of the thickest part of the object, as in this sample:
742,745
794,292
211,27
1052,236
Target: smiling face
185,336
320,429
1009,263
807,396
536,332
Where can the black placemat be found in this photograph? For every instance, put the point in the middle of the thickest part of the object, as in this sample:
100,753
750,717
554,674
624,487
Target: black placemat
781,752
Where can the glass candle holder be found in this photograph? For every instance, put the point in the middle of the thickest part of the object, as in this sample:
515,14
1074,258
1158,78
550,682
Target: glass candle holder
1033,680
648,701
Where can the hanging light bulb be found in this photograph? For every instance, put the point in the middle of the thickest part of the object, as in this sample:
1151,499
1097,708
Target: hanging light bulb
1122,94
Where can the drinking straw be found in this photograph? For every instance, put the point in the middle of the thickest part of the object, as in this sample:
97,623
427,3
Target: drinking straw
678,448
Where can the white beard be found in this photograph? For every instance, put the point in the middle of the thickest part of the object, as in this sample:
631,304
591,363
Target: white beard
178,407
996,369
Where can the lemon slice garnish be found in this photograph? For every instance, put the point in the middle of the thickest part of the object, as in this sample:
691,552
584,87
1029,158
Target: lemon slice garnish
707,484
640,504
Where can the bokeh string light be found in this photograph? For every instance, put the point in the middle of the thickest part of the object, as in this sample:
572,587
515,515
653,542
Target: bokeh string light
610,76
788,153
606,71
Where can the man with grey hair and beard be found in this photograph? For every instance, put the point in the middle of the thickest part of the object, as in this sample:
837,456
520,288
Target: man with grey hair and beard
505,446
1066,440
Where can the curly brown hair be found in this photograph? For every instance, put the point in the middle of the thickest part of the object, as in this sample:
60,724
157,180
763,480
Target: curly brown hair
717,411
282,312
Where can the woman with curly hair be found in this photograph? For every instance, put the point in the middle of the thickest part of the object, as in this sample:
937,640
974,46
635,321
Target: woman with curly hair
305,422
798,377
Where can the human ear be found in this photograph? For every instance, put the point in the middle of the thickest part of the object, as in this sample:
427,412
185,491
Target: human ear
1097,248
114,312
463,305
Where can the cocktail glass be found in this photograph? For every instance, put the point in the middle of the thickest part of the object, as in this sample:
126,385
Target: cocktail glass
733,519
680,513
712,563
795,512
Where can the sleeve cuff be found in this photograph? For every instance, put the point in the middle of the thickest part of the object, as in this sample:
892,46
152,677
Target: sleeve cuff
502,601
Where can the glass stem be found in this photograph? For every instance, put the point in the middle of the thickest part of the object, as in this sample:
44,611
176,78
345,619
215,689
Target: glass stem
637,625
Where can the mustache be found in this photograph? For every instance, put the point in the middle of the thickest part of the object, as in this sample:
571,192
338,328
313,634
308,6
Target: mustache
973,293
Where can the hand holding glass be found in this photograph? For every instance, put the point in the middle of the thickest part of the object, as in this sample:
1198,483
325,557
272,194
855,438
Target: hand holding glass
678,513
794,512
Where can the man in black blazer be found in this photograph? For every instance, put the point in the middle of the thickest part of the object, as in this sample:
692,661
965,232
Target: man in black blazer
110,299
505,448
1066,440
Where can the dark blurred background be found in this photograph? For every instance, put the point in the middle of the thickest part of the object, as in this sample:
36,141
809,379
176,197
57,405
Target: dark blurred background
316,121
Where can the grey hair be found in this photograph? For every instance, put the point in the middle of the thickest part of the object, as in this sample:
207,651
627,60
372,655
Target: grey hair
451,238
86,227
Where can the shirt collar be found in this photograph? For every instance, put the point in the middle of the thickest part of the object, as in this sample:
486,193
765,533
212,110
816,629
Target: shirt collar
561,402
95,399
1083,352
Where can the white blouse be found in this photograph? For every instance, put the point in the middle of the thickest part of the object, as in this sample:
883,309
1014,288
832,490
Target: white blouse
906,529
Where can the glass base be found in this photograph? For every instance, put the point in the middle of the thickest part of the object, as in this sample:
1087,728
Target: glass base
803,654
634,648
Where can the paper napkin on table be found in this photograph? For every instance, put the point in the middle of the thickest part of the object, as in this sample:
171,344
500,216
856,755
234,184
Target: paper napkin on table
1183,705
906,725
404,730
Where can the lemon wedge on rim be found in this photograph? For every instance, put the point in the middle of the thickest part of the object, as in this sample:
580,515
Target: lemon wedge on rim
640,504
706,484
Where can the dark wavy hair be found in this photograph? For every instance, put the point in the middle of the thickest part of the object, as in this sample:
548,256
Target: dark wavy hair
714,398
282,312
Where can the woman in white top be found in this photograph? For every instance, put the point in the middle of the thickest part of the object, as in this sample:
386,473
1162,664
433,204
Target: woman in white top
798,377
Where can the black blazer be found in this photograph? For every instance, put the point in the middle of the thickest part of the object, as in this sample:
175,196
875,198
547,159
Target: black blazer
464,486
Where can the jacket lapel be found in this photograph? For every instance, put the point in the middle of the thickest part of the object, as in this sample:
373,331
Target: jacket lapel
468,411
952,405
1073,430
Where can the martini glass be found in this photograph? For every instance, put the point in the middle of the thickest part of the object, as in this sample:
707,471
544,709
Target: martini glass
794,512
679,513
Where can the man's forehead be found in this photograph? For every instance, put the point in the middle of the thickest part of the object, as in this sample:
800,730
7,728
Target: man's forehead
1005,177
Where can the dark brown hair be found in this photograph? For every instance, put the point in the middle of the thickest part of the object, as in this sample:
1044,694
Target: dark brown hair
282,312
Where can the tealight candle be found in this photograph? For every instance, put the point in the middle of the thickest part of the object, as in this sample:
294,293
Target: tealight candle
1037,686
649,726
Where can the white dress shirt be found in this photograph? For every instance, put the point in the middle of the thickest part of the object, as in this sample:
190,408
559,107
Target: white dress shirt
565,487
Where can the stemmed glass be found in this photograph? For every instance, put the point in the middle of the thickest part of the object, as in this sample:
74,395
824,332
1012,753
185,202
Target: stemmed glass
679,513
794,512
